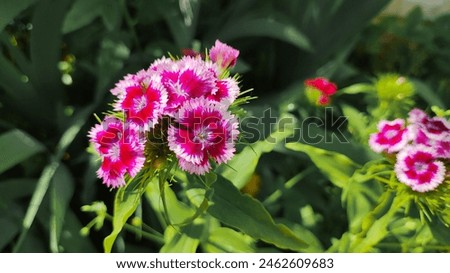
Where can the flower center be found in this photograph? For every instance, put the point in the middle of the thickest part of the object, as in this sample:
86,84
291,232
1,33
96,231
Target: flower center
420,167
140,103
391,134
202,136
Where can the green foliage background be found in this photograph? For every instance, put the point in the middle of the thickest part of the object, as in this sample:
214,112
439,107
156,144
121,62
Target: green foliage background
59,58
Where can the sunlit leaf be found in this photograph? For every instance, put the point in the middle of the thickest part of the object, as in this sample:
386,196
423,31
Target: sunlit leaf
336,167
249,216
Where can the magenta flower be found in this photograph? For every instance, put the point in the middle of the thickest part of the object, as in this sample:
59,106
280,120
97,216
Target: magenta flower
190,78
227,91
418,168
121,150
144,104
140,78
391,137
223,55
206,130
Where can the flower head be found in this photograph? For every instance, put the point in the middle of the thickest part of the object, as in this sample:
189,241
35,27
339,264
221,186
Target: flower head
418,168
223,55
144,104
319,90
391,137
189,78
206,130
121,150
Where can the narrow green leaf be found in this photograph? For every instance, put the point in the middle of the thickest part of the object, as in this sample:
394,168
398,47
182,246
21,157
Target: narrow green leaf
36,200
126,201
16,146
337,167
241,167
249,216
266,27
427,94
45,50
9,9
62,189
82,13
16,188
357,89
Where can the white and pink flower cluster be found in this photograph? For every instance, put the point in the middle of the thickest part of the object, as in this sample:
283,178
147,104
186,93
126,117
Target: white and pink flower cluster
421,145
193,93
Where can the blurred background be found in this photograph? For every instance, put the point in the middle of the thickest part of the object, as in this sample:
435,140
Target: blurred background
60,58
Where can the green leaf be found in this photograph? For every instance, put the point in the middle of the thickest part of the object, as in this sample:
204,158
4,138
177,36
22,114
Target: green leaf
227,240
82,13
183,240
249,216
335,166
16,188
126,201
265,27
427,94
45,50
16,146
9,9
357,89
314,245
62,189
242,166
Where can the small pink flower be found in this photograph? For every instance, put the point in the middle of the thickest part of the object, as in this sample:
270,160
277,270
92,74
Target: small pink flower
223,55
436,128
227,91
121,150
140,78
190,78
418,168
417,116
205,130
144,104
391,137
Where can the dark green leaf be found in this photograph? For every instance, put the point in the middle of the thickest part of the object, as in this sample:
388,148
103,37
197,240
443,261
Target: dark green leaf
9,9
62,189
16,146
265,27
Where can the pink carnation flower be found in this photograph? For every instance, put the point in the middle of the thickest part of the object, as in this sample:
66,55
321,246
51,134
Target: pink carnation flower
391,137
223,55
206,130
144,104
227,91
190,78
418,168
140,78
323,87
121,150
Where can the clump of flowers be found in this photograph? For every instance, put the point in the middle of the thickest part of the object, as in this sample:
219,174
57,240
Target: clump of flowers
178,106
319,91
420,146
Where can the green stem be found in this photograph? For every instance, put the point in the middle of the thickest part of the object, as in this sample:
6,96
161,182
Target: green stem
130,25
376,231
158,238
